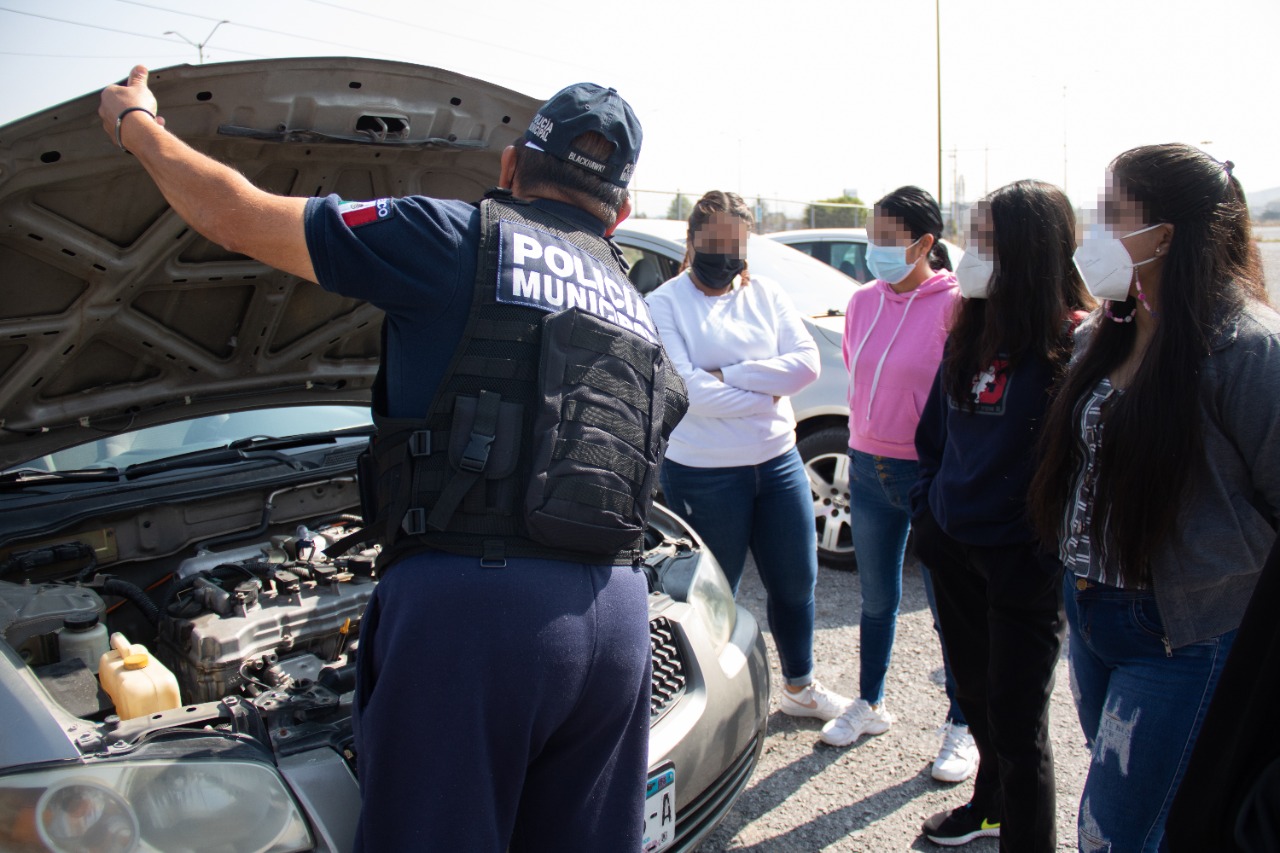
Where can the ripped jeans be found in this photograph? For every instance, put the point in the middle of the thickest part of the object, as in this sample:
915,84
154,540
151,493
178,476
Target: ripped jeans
1141,705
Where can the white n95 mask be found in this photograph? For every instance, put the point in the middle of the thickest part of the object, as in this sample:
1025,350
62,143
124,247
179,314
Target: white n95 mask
1105,265
974,275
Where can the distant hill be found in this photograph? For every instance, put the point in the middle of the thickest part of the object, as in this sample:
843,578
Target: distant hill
1264,204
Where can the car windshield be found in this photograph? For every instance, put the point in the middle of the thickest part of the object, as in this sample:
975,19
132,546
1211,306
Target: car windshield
814,287
159,442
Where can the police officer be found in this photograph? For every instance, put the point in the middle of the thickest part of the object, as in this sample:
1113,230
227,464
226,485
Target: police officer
503,683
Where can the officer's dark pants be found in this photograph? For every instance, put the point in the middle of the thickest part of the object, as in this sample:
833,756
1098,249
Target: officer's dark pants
503,708
1001,618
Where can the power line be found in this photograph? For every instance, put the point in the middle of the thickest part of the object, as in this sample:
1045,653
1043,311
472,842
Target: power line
81,24
541,57
113,30
243,26
87,56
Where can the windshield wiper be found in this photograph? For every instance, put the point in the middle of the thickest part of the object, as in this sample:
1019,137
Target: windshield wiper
270,442
213,456
35,476
253,447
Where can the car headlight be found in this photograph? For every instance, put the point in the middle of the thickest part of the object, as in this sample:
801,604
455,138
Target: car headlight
711,597
151,805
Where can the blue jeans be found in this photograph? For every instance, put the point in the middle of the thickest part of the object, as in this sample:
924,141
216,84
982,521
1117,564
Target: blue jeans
1141,705
769,509
880,518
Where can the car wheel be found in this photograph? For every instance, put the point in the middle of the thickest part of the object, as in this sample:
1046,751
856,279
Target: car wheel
825,453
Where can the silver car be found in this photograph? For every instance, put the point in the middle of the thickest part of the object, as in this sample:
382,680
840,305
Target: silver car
179,428
655,249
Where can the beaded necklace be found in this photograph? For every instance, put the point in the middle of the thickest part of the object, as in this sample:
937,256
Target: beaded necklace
1128,318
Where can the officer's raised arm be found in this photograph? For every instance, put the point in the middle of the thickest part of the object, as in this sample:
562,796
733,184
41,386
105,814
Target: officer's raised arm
214,199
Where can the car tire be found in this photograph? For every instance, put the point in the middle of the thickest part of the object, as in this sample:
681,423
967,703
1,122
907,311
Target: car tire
825,453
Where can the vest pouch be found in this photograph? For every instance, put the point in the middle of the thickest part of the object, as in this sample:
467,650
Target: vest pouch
484,445
596,435
490,445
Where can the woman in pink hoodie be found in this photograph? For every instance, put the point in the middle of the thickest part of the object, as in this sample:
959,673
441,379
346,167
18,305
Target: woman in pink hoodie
894,331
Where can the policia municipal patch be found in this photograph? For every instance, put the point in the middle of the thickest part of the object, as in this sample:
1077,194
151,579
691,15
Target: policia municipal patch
538,270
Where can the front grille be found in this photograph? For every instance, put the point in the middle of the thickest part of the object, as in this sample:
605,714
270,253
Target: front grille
668,668
696,820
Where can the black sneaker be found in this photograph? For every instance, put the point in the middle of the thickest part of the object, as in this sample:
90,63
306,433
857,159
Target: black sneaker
960,826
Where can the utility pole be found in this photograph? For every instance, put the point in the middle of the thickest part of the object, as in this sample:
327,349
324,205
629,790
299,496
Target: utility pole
199,46
937,45
955,156
1064,139
955,190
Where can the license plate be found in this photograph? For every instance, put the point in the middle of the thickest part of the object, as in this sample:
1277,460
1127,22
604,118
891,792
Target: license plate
660,811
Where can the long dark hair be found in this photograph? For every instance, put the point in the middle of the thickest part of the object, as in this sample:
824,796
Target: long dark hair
1034,289
1150,456
919,212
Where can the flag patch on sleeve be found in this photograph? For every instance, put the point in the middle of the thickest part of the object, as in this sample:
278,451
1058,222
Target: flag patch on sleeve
356,213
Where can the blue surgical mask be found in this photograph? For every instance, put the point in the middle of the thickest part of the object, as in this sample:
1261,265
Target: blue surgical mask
889,263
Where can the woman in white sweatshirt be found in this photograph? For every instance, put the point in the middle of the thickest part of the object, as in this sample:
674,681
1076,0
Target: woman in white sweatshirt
732,469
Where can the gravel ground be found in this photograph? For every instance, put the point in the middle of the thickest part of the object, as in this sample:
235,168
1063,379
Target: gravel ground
806,796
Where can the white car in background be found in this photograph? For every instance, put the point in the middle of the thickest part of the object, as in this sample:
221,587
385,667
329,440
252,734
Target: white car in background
655,248
843,248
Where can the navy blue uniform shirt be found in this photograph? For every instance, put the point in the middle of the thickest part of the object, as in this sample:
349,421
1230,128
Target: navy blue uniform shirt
415,258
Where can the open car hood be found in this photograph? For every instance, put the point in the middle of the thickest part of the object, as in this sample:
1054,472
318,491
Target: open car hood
115,315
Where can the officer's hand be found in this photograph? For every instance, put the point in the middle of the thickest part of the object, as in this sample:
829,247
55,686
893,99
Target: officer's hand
118,98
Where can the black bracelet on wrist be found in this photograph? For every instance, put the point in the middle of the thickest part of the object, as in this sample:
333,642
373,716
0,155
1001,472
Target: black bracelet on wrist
120,120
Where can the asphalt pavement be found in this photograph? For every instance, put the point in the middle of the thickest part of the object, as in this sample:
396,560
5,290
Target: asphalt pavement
806,796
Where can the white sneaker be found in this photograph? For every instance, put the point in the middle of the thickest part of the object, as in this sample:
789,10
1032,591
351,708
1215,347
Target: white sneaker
861,718
813,701
958,758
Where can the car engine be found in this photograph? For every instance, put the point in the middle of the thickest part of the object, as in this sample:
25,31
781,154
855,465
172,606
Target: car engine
236,626
273,624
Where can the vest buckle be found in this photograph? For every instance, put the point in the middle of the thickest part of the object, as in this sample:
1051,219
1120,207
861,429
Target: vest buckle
420,442
476,455
414,522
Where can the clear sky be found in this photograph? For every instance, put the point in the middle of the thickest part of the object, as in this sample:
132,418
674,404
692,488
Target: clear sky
796,100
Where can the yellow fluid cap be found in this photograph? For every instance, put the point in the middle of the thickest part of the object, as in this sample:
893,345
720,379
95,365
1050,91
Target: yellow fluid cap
136,661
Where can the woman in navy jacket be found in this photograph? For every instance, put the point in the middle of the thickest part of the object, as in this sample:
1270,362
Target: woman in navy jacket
999,595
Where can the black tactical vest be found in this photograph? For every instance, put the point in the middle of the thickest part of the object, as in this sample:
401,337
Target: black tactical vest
548,428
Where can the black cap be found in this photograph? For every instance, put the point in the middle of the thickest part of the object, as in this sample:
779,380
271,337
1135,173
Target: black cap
581,108
81,621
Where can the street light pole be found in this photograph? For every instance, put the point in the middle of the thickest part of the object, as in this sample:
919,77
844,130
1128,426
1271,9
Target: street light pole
199,46
937,41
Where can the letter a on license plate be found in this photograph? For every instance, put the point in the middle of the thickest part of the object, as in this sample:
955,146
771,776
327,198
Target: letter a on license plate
660,811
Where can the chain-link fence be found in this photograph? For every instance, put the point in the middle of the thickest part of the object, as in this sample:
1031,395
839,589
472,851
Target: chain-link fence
772,214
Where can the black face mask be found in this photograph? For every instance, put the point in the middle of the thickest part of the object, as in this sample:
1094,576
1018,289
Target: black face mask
716,270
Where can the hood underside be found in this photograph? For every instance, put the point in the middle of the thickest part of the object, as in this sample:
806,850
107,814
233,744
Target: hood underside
115,315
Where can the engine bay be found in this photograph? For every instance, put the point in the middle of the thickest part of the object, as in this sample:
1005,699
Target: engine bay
273,625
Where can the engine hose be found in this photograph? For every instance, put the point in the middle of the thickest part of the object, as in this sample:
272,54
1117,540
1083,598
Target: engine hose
135,594
222,570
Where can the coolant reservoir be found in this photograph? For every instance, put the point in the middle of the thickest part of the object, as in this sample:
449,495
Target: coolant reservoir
137,683
83,636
